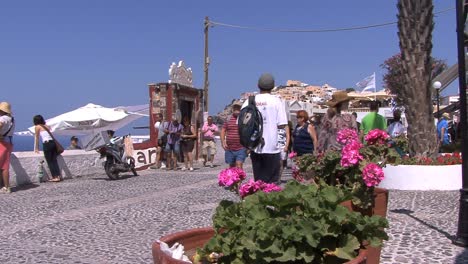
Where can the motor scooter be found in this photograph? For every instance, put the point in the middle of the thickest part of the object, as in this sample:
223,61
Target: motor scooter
116,159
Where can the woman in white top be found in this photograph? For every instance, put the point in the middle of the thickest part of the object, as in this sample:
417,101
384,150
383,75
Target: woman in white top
48,146
7,127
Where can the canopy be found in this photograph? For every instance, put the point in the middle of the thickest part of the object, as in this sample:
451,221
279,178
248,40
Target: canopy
93,118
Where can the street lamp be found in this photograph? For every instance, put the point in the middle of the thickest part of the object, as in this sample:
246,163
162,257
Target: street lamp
437,86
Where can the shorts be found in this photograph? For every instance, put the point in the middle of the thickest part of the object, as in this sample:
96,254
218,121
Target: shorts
209,144
5,152
231,156
172,147
283,155
187,145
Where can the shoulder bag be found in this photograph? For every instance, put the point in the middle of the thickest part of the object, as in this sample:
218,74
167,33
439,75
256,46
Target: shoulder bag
59,147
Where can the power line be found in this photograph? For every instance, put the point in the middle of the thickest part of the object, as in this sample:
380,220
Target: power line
214,23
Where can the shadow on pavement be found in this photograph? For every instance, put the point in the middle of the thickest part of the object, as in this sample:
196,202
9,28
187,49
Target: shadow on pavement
122,177
24,187
462,258
409,213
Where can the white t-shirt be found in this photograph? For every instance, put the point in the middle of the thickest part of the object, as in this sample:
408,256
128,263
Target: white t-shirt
274,115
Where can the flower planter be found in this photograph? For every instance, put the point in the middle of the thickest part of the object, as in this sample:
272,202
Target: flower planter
422,177
380,209
196,238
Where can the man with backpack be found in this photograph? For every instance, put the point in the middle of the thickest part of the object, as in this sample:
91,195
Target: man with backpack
259,120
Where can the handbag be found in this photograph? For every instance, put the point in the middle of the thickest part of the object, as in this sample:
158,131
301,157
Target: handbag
58,146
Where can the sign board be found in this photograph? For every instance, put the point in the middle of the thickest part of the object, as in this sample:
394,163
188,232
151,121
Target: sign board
95,141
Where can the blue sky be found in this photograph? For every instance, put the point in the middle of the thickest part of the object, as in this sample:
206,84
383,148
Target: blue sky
60,55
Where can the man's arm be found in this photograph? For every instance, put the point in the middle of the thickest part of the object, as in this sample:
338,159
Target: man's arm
223,138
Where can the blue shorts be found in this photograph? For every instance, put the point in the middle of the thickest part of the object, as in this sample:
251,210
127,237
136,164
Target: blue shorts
172,147
231,156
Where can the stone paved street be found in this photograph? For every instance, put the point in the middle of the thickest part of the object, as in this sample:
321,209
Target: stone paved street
94,220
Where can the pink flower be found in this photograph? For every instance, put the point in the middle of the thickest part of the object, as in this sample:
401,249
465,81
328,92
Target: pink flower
292,155
346,136
250,187
297,175
350,155
270,187
372,174
376,136
231,176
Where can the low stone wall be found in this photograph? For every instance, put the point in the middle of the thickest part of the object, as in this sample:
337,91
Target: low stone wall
24,166
420,177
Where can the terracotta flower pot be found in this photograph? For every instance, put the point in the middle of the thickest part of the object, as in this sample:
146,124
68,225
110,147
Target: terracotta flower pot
196,238
380,209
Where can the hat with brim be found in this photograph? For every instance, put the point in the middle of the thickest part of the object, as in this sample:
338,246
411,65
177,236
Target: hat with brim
338,97
5,107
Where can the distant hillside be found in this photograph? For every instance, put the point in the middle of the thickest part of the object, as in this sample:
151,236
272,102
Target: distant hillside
223,115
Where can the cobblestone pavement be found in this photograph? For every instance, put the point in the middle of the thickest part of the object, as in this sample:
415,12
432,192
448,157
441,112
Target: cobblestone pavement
94,220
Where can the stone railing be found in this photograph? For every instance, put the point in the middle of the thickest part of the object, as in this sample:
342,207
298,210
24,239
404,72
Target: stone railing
24,166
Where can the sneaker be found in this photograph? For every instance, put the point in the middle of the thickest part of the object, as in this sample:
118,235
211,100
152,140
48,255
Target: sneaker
211,165
5,190
163,166
191,169
183,168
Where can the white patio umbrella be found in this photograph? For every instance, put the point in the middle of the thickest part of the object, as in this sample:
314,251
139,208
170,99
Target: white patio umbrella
93,118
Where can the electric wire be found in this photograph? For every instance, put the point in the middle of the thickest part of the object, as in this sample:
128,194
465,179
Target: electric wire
214,23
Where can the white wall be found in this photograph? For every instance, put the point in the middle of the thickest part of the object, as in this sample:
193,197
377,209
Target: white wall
73,163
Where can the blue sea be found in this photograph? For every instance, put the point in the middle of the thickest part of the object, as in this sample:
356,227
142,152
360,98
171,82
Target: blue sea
26,143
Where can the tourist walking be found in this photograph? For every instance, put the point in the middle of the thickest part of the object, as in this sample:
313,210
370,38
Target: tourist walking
48,147
209,147
304,136
442,129
334,121
266,156
7,127
372,120
159,126
284,139
174,130
187,143
234,153
357,123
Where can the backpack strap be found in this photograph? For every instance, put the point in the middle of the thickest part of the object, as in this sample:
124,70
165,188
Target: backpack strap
252,100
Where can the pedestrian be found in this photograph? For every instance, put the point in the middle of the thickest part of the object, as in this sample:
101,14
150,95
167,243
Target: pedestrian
266,156
304,137
187,143
372,120
234,153
333,121
442,129
173,130
209,147
284,139
73,143
396,128
48,146
161,142
7,127
357,123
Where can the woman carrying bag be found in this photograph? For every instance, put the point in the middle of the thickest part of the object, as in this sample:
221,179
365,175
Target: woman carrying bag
7,127
50,146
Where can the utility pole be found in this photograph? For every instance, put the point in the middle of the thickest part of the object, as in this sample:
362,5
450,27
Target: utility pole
462,232
206,64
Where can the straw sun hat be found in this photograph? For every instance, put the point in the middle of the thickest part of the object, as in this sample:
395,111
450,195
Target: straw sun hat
5,107
338,97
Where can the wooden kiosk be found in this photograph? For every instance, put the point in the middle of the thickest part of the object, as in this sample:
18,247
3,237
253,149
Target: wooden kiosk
176,98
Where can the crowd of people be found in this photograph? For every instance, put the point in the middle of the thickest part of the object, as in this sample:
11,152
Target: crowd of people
176,141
